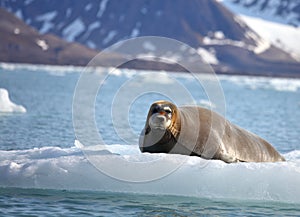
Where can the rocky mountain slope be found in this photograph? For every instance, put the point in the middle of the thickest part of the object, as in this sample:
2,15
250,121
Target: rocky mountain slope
220,37
21,43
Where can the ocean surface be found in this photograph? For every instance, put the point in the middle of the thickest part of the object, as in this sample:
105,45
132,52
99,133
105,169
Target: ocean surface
46,171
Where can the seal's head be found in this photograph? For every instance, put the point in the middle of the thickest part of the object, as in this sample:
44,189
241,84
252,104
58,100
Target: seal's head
161,129
163,115
160,116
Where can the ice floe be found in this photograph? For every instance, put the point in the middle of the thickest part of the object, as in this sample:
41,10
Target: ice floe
69,169
6,105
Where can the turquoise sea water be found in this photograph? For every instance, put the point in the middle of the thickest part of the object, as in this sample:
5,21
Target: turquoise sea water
42,173
33,202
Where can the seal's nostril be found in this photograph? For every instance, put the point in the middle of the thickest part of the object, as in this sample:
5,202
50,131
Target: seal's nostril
161,118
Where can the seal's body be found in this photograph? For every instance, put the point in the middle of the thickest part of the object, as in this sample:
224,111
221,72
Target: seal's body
192,130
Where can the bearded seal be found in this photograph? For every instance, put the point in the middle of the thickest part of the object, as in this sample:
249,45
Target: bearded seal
197,131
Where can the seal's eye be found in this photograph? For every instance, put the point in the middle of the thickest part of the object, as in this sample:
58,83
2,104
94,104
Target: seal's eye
155,109
168,110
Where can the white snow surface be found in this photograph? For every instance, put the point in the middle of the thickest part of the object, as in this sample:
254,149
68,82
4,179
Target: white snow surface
69,169
6,105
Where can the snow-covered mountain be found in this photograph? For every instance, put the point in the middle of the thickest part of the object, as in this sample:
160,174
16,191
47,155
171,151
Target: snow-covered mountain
101,23
282,11
20,43
277,21
220,37
283,36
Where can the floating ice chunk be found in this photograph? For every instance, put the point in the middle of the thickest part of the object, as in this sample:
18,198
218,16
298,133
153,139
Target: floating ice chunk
68,168
277,84
160,77
6,105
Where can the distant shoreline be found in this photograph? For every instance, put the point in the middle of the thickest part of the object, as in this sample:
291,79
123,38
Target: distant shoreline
78,68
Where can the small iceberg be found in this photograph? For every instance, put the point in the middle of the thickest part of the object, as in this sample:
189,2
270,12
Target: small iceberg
7,106
52,167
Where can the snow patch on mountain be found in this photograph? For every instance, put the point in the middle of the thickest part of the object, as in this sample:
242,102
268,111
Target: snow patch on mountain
102,8
91,44
207,56
91,28
213,41
73,30
218,38
42,44
88,7
109,37
19,14
147,45
69,12
136,30
47,21
17,31
28,2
